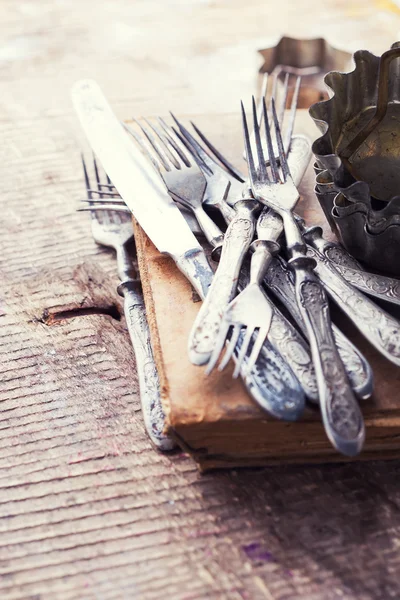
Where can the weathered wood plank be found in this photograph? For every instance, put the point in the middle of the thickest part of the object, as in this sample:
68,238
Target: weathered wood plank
88,510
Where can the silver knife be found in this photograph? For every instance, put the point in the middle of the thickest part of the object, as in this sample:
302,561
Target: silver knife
271,382
138,185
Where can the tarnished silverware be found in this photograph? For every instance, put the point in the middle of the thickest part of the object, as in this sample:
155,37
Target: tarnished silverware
115,230
219,185
270,227
182,177
282,335
237,240
341,414
289,126
379,327
250,313
139,185
378,286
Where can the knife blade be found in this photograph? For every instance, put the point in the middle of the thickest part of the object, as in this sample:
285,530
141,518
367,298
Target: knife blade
139,185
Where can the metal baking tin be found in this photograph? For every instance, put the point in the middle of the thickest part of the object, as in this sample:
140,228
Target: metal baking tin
360,145
311,59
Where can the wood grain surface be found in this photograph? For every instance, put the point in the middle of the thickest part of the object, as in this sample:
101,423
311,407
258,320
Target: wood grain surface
88,510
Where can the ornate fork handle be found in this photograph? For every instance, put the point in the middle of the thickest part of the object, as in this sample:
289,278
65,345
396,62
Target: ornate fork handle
341,414
279,280
149,384
269,226
379,286
237,240
379,327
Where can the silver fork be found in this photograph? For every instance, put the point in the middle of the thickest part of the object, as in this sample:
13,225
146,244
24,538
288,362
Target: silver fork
341,414
280,111
182,177
112,227
189,188
238,315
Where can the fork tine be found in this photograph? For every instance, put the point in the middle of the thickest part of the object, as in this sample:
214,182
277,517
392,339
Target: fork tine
165,144
292,116
219,345
226,164
180,146
230,347
154,144
143,148
271,152
192,151
247,146
86,175
281,150
112,200
206,161
258,344
103,193
264,87
243,351
96,172
283,99
262,167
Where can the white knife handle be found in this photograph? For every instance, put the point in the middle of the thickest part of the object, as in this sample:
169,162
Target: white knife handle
237,240
149,384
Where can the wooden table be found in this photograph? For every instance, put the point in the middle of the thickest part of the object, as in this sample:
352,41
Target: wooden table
88,510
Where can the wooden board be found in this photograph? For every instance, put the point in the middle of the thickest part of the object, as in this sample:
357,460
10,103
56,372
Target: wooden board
213,417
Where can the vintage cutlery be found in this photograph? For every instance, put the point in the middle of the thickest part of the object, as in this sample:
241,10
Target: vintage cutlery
115,230
182,177
271,382
378,286
269,228
205,330
139,186
341,414
188,186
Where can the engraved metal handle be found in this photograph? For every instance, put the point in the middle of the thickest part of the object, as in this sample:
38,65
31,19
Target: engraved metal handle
269,226
237,240
279,280
380,328
149,384
271,382
378,286
341,415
